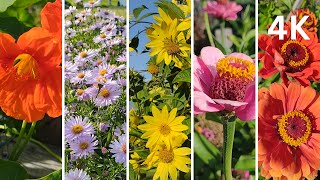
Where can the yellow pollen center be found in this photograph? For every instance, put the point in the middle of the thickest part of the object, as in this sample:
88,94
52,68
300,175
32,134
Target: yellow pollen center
153,69
283,124
166,156
81,75
103,36
83,145
77,128
103,72
165,129
25,64
91,2
83,55
171,47
105,93
233,67
99,61
80,92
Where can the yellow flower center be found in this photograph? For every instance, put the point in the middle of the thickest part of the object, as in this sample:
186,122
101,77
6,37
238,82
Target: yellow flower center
83,55
81,75
165,129
102,79
103,72
91,2
166,156
171,47
25,64
99,61
233,67
105,93
311,19
84,145
103,36
294,128
295,54
77,128
153,69
80,92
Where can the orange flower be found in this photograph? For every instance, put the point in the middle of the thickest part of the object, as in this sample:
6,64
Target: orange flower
289,136
312,21
51,19
298,59
30,75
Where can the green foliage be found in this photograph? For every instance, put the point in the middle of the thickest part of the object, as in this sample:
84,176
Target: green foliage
12,170
52,176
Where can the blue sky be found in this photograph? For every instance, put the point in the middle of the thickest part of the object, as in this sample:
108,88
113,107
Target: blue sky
139,61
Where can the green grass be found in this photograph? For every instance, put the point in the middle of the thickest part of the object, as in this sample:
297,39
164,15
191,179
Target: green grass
120,11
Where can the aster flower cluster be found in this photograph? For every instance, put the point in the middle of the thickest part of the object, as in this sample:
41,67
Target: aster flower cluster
95,73
289,100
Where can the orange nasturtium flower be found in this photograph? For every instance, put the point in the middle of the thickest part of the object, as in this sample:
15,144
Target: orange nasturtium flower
51,19
30,75
289,135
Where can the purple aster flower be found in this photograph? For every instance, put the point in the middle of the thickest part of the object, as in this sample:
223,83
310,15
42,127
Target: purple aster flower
76,127
83,146
84,56
92,91
79,77
104,127
77,174
108,94
118,131
122,58
82,95
119,149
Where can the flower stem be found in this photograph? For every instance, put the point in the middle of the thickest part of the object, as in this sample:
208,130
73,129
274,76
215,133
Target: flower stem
228,133
25,142
223,36
207,25
16,146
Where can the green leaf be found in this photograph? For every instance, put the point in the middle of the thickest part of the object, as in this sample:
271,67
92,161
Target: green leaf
137,11
131,172
183,76
12,26
134,43
246,162
5,4
206,151
24,3
170,8
12,170
52,176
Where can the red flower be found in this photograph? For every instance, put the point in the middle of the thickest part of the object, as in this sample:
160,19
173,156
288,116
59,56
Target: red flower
312,21
30,75
298,59
289,138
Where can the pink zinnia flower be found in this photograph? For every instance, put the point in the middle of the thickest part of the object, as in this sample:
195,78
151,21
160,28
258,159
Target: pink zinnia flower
224,83
223,9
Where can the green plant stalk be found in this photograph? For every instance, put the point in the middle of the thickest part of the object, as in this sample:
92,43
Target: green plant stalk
207,25
228,137
39,144
223,36
16,146
25,142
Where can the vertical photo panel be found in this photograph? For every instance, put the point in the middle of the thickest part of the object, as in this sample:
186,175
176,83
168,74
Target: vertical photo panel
160,89
224,70
30,89
95,89
289,59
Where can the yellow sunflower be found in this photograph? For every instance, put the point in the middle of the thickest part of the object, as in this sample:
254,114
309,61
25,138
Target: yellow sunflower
168,42
169,161
162,127
134,161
